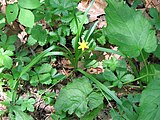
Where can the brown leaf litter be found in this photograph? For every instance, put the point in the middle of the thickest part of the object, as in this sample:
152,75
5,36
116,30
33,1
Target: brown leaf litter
96,12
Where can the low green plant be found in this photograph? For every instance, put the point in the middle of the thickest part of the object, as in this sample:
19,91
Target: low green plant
5,59
155,18
22,10
53,25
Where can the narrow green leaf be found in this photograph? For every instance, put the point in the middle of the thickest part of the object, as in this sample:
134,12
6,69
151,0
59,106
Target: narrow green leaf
101,86
26,17
90,31
11,12
36,59
80,30
55,53
108,51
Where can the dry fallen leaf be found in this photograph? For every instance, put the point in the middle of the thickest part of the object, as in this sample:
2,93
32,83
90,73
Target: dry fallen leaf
22,36
153,3
3,97
96,12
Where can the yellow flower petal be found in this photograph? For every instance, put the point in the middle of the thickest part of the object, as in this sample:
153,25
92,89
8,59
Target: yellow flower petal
83,45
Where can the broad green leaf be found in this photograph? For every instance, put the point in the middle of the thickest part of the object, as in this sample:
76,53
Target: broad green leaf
109,75
62,40
122,64
29,4
63,30
11,12
16,71
4,43
115,115
62,6
26,17
31,41
25,76
9,45
127,77
102,87
157,52
153,12
19,115
55,117
153,71
8,53
49,97
128,29
28,105
53,72
136,3
41,38
150,101
120,72
7,61
3,37
34,81
91,115
111,64
95,100
2,112
2,22
45,68
102,40
1,68
75,97
45,78
11,83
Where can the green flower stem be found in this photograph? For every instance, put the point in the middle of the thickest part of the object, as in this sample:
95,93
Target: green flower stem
65,49
146,66
135,79
78,36
139,78
133,67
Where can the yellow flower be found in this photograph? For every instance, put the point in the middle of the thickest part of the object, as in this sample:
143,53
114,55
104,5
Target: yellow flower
83,45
